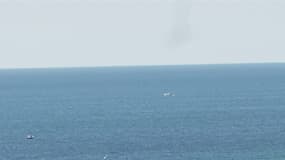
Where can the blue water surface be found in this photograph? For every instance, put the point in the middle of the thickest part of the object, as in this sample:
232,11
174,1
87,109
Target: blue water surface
219,112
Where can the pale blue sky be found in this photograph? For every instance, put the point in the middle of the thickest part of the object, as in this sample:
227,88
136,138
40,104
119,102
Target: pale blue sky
63,33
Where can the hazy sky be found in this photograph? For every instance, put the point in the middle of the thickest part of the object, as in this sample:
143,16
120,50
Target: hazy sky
60,33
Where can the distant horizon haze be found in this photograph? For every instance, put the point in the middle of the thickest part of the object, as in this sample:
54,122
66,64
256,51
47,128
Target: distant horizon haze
92,33
149,65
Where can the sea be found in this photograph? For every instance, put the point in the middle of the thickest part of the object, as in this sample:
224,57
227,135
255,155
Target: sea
209,112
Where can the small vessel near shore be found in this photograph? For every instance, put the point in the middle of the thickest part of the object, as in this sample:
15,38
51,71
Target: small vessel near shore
30,136
167,94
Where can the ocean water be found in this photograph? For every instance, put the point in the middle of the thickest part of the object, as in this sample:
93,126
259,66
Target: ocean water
219,112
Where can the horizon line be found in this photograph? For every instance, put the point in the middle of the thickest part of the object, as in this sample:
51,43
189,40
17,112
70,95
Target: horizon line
140,65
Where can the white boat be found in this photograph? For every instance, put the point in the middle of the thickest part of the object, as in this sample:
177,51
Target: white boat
30,136
167,94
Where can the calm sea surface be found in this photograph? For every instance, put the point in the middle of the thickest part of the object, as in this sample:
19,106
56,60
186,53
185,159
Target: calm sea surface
219,112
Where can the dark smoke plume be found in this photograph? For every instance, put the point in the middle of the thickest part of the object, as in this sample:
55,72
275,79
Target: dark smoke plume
180,30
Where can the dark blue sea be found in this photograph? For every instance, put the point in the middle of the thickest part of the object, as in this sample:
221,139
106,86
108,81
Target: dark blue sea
219,112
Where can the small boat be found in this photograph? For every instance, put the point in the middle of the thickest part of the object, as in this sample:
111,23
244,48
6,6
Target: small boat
167,94
30,137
